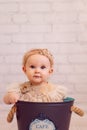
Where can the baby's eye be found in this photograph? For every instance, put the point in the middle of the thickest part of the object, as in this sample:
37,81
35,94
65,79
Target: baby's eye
43,67
32,66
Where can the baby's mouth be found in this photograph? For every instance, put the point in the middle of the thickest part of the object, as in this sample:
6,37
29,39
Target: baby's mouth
37,76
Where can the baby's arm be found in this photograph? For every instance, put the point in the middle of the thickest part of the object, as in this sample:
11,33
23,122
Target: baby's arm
11,98
12,94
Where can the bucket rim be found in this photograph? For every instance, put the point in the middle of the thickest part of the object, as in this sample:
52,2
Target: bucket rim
66,100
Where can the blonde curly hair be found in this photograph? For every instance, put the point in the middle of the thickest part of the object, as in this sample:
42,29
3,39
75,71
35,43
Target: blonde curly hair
43,52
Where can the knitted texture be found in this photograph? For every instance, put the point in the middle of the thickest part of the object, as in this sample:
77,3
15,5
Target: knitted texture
77,110
11,113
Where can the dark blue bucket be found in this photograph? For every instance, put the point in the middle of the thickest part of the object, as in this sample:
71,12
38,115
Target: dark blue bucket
44,116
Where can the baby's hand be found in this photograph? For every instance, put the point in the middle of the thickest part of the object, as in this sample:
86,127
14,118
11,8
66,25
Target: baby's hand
11,98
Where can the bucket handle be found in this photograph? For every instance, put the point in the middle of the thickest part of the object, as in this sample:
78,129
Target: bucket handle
14,109
11,113
77,110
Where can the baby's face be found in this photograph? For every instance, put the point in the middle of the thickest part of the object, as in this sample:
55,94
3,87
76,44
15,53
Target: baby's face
37,69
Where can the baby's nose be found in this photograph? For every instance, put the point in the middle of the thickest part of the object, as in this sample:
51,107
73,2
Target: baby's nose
37,70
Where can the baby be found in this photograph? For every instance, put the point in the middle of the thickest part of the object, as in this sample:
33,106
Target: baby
37,66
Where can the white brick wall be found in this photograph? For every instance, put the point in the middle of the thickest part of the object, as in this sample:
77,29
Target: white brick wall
60,26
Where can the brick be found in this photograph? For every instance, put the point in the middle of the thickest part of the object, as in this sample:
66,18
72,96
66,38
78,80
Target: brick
36,18
82,6
59,79
28,38
76,48
80,98
76,58
1,59
80,69
81,88
60,17
12,49
65,69
19,18
77,78
6,29
60,37
8,7
17,68
67,28
4,68
61,59
5,39
36,28
13,59
35,7
5,19
82,17
64,6
14,78
82,37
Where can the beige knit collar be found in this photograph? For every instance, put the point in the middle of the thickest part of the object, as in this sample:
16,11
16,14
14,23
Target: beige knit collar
27,86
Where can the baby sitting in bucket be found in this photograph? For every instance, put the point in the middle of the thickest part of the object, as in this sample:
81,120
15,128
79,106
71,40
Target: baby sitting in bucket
37,66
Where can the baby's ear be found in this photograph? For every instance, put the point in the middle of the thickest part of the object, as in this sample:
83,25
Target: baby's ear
51,70
24,69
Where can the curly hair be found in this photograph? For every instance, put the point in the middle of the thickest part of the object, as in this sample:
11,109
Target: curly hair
43,52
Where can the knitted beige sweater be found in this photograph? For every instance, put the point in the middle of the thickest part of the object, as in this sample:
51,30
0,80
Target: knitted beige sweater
41,93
